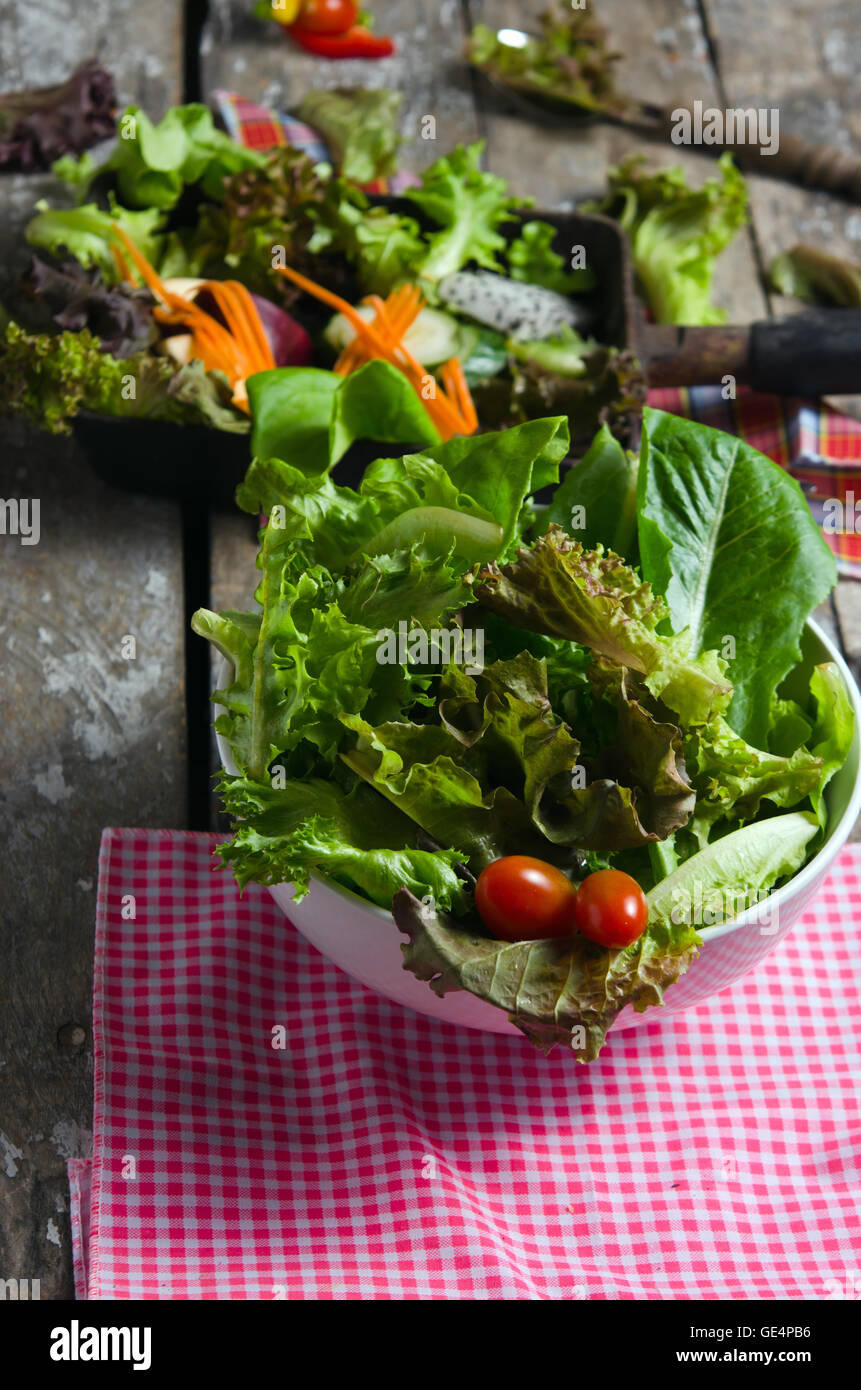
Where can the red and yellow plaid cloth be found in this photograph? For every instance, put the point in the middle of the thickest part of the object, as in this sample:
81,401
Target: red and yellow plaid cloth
821,448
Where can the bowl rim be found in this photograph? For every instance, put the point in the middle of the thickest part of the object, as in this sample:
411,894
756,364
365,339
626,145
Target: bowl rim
811,871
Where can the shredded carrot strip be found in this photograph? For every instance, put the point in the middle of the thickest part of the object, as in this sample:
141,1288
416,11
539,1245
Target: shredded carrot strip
239,349
451,409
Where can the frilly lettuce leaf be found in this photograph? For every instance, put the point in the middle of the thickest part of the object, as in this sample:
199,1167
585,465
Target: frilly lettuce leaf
500,774
677,233
564,992
469,205
300,666
286,831
531,258
558,588
88,233
733,778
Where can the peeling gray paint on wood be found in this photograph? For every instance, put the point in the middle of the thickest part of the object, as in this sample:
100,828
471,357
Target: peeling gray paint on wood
88,739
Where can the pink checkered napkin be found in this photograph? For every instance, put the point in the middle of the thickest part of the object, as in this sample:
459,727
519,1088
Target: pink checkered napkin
716,1154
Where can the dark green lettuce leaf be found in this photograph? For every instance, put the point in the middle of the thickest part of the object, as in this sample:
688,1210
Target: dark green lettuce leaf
727,536
564,992
501,774
638,789
597,499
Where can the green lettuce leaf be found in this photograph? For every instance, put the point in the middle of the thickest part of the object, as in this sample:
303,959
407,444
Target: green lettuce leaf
153,163
470,205
87,233
592,598
286,832
306,665
733,779
360,127
331,522
384,247
531,258
734,873
834,730
728,537
677,233
597,499
564,992
486,475
310,417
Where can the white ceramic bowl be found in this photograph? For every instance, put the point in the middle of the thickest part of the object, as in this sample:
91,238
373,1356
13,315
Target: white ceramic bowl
363,939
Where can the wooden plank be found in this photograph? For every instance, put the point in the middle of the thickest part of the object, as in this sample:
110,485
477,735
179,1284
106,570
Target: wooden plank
666,60
242,54
804,61
90,739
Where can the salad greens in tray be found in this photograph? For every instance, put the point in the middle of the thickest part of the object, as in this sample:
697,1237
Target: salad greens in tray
557,742
190,263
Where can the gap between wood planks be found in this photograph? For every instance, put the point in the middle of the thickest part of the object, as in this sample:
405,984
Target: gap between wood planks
196,531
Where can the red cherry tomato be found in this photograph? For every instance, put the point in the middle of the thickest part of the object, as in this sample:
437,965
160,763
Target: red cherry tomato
610,907
523,899
327,16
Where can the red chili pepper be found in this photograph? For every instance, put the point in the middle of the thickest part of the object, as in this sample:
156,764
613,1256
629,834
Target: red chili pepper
355,43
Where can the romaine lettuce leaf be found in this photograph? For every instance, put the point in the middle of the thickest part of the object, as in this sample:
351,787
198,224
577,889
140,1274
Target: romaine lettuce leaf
727,536
834,730
733,873
597,499
564,991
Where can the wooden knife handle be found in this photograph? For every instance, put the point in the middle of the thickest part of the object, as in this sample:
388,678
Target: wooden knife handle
810,354
796,160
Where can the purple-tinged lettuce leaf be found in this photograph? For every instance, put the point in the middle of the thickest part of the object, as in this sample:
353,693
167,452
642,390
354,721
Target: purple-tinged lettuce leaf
120,316
557,588
37,127
562,992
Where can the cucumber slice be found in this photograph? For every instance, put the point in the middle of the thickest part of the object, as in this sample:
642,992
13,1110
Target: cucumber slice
432,339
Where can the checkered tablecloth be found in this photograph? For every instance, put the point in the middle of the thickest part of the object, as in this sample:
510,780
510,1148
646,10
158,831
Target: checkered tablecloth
383,1155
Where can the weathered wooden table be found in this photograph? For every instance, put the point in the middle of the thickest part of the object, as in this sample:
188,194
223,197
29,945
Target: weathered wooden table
90,739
